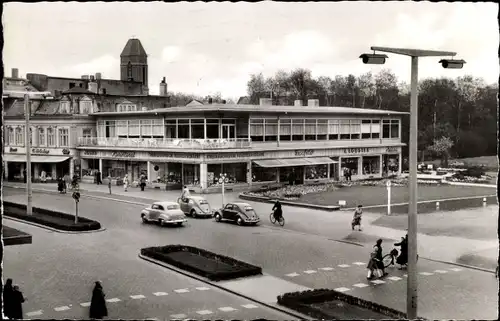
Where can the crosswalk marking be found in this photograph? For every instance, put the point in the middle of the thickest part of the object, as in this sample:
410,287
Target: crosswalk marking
342,289
377,282
204,312
426,273
178,316
343,265
160,293
360,285
138,296
113,300
34,313
249,306
202,288
310,271
456,269
292,275
394,278
359,263
440,271
326,269
85,304
227,309
181,291
63,308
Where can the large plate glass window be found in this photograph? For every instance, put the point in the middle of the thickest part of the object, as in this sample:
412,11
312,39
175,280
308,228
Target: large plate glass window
171,128
197,128
285,129
310,129
271,129
297,129
212,128
257,129
333,129
183,128
371,165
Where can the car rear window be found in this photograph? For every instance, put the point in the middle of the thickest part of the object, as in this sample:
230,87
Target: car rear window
248,208
172,207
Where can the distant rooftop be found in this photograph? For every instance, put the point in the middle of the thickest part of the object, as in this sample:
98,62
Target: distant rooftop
133,48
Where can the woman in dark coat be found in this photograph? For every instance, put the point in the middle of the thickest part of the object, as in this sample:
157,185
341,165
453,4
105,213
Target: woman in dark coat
60,185
16,303
98,308
403,256
7,298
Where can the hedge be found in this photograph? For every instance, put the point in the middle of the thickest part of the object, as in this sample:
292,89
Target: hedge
241,269
51,218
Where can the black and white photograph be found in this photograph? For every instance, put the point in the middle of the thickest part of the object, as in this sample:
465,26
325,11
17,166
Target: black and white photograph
250,160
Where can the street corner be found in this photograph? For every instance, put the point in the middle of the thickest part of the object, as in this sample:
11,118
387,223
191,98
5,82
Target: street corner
362,238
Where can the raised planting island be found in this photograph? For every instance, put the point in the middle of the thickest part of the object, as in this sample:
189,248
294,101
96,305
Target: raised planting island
207,264
12,236
50,218
329,304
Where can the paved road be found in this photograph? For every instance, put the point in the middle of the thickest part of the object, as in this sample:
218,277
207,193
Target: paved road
297,257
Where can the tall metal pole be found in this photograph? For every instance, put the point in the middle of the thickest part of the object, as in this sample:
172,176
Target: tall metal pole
412,297
27,111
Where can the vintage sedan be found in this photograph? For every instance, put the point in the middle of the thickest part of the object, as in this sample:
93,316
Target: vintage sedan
241,213
165,213
196,206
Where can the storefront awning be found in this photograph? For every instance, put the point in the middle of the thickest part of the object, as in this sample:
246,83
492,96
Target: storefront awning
34,158
286,162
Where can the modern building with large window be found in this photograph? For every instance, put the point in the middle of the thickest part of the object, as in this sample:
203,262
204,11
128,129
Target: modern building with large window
252,145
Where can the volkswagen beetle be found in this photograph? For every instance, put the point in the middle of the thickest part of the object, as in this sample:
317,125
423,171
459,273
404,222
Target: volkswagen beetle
241,213
165,213
196,206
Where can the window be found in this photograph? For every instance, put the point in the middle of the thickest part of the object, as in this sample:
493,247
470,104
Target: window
183,128
212,128
310,129
366,129
355,128
257,130
285,129
129,70
371,165
133,129
63,137
394,128
316,172
345,129
86,106
171,128
11,137
197,128
121,128
20,136
51,137
322,129
41,137
71,85
146,130
157,128
271,129
297,129
333,129
390,128
87,133
101,128
375,128
64,107
111,128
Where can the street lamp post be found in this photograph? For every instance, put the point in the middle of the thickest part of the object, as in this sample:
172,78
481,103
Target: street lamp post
223,180
412,297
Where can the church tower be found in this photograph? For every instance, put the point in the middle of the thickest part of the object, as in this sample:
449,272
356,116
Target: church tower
134,62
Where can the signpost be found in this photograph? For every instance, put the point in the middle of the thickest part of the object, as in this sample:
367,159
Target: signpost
222,180
76,197
388,184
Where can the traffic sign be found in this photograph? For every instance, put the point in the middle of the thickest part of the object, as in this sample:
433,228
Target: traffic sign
388,183
226,180
76,196
221,180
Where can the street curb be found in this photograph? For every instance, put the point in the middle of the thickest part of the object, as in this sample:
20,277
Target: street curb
102,229
472,267
193,276
263,199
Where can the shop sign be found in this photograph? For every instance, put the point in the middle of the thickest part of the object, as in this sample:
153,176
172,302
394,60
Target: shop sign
40,151
173,155
304,152
90,153
356,150
65,151
235,155
13,150
123,154
391,149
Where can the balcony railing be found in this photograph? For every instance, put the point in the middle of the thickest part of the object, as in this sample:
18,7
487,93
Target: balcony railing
164,143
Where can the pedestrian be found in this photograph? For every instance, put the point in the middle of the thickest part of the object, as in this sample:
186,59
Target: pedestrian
378,256
25,178
185,194
109,184
125,182
143,182
356,220
16,309
43,177
7,298
99,177
60,185
349,174
98,309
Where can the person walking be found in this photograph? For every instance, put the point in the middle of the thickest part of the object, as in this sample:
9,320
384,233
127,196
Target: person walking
143,182
98,177
17,303
60,185
109,184
25,178
8,292
98,309
185,194
125,182
43,177
356,220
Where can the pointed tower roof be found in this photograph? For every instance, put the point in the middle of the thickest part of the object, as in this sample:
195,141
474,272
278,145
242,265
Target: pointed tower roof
133,48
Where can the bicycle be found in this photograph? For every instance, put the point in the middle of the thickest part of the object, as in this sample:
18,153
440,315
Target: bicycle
273,220
390,258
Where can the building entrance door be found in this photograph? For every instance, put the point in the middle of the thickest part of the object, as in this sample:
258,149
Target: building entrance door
228,131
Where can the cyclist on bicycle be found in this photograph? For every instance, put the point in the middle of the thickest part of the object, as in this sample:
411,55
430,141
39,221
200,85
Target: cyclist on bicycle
278,212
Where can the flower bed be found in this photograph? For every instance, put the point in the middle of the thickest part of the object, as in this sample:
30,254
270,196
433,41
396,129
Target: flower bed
57,220
330,304
201,262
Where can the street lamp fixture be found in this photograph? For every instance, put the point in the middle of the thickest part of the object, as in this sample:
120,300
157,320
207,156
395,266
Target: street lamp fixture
412,298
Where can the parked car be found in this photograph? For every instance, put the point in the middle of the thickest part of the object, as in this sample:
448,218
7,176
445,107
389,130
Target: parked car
196,206
241,213
165,213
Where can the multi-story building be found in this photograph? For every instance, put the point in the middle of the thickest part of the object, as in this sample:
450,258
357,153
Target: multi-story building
252,145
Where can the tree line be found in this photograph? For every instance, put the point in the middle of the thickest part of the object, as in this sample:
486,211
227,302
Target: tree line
455,114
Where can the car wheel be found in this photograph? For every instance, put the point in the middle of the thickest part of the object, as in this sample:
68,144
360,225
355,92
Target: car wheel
193,213
162,223
239,221
218,218
144,219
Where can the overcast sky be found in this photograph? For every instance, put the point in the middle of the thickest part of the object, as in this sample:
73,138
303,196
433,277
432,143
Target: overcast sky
203,48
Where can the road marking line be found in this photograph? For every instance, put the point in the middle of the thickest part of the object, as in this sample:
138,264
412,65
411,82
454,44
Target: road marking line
342,289
394,278
34,313
377,282
310,271
440,271
63,308
426,273
360,285
113,300
202,288
138,296
249,306
326,269
292,275
204,312
181,291
227,309
178,316
85,304
456,269
343,265
160,293
359,263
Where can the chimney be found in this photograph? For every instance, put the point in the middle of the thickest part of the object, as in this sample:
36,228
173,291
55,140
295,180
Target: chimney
313,102
15,73
91,77
163,87
265,102
92,87
98,75
297,102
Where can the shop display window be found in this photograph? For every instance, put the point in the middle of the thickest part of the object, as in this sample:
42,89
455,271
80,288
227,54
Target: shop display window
371,165
191,174
391,164
264,174
350,163
235,173
316,172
